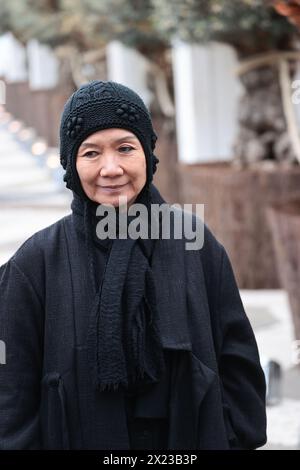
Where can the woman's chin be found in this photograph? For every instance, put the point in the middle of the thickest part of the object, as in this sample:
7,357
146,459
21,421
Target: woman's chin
115,200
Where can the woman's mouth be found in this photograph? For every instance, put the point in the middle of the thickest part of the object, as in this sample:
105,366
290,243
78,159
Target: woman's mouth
112,189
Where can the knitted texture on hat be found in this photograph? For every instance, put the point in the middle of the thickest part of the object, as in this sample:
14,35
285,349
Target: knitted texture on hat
101,105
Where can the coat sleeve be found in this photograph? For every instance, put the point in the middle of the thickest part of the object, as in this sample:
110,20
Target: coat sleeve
242,378
21,333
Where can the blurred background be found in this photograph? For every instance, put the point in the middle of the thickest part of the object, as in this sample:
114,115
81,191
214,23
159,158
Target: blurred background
222,81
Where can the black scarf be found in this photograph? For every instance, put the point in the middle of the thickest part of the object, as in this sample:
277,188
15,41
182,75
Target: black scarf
124,342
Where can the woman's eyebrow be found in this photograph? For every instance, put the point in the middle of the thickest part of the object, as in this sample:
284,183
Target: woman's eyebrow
121,139
88,144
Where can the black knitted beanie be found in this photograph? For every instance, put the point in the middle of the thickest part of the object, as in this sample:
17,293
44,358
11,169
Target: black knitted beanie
101,105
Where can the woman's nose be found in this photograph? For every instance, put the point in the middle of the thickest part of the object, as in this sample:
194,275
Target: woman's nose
110,166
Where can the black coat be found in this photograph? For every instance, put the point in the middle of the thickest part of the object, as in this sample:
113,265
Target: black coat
216,384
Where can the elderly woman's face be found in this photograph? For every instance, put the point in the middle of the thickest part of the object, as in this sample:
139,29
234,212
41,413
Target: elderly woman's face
111,163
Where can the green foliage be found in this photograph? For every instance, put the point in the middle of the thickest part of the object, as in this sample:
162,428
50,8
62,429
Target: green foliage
248,25
84,23
29,19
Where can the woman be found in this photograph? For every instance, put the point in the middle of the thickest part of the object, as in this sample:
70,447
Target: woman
122,343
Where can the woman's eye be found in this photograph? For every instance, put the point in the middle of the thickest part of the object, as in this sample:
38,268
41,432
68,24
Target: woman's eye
125,149
90,154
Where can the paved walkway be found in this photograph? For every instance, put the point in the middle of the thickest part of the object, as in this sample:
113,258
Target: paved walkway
270,316
30,200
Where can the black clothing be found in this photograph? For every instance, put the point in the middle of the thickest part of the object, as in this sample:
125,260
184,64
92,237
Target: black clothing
47,395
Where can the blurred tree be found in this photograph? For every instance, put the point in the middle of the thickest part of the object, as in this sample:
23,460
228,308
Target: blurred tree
289,8
260,36
251,26
86,24
53,22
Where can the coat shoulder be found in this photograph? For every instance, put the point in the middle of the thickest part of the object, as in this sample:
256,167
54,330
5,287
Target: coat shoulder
35,249
210,249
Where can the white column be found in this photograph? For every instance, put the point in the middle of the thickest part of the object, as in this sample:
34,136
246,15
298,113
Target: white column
127,66
206,97
12,59
43,66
